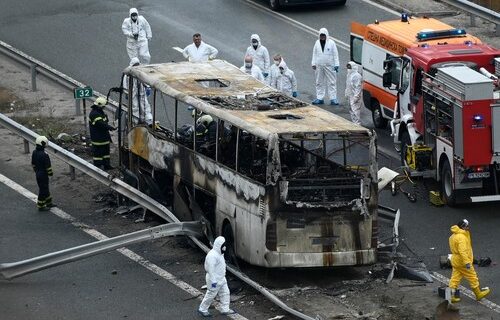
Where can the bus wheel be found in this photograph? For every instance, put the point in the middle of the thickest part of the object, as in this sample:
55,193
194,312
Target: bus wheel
378,119
447,184
274,4
230,255
405,141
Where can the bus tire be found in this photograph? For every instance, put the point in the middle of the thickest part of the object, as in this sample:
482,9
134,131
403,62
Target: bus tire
377,117
230,255
448,193
274,5
405,141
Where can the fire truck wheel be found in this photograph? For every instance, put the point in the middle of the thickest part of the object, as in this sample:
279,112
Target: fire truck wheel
405,141
378,119
274,4
447,184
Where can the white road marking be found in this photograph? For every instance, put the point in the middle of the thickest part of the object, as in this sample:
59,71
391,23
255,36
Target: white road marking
177,49
124,251
294,23
380,6
466,292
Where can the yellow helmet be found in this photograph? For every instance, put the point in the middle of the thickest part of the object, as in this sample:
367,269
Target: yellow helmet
101,102
42,141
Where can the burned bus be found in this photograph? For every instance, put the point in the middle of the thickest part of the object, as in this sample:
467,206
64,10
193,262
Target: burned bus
286,183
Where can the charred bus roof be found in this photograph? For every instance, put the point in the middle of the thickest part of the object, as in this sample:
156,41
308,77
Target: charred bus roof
221,89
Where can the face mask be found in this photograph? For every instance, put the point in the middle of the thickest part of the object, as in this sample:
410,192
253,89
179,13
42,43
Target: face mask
248,65
282,71
134,18
276,62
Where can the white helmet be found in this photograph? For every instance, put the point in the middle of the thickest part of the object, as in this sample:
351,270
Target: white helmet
42,141
205,120
101,102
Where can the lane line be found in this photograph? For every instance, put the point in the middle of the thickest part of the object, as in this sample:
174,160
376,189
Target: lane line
124,251
294,22
466,292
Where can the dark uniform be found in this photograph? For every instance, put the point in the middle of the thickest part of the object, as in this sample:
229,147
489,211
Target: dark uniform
43,169
100,137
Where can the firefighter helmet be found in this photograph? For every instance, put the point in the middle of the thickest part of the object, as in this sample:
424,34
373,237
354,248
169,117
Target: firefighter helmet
42,141
101,102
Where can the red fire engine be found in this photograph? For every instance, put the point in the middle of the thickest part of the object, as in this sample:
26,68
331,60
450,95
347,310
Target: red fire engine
447,118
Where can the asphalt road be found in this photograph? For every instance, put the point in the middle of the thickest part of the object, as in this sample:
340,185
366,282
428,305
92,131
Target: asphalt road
84,40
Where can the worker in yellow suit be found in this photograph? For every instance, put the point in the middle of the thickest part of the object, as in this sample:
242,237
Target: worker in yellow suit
461,261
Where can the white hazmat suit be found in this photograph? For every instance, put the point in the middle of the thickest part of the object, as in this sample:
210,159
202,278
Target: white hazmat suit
353,89
140,104
286,81
202,53
254,71
215,266
138,34
274,72
260,55
326,61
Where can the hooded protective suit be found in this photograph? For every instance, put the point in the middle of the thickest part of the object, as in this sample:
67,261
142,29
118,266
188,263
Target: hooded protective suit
286,81
215,266
353,91
141,109
260,55
254,71
138,34
326,60
461,255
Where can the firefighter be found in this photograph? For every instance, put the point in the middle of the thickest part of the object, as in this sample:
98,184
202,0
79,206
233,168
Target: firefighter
461,261
43,169
99,134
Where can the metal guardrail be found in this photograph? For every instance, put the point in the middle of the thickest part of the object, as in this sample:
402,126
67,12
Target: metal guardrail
476,10
102,176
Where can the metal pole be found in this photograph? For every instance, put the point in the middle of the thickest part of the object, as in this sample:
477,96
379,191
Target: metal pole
77,107
85,117
175,120
237,147
33,76
72,172
26,146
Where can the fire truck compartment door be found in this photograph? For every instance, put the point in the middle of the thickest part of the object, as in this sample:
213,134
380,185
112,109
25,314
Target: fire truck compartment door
495,123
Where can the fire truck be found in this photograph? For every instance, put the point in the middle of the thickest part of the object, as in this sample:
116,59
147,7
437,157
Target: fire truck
446,118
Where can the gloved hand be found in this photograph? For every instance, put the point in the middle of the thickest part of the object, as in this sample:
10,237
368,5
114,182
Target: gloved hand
148,91
467,266
294,94
265,74
214,285
136,36
336,68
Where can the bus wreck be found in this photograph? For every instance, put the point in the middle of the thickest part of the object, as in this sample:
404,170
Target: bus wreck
287,183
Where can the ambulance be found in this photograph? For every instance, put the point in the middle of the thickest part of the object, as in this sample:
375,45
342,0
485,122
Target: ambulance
374,43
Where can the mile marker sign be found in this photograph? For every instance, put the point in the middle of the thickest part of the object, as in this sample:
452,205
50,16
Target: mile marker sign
83,93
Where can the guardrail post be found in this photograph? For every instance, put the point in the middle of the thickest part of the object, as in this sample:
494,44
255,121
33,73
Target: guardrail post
26,146
72,173
77,107
497,30
472,20
33,76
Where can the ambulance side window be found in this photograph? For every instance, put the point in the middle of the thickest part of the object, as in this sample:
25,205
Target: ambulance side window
356,49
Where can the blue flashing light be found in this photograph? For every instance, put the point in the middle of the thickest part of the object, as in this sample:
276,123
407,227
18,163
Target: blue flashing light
404,17
478,118
425,35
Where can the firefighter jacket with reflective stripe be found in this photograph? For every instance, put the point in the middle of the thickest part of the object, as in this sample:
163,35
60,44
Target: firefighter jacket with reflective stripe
41,162
99,127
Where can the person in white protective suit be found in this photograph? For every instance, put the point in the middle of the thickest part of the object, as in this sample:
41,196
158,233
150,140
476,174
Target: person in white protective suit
274,70
325,62
215,266
260,56
286,81
141,109
199,51
138,32
353,86
250,68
